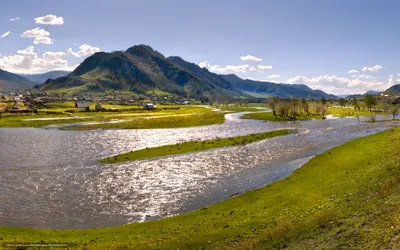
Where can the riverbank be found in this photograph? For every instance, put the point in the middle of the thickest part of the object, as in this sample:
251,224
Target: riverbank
268,116
192,146
164,117
345,197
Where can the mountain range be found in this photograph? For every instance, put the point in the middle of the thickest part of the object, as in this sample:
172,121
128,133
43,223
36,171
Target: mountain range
9,80
41,78
141,69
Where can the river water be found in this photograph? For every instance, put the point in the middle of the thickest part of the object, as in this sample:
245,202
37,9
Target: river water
50,178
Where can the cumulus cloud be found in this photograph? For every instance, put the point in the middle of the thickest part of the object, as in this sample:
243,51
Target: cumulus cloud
274,76
340,85
27,61
5,34
250,58
85,50
372,68
50,20
233,68
40,36
352,71
14,19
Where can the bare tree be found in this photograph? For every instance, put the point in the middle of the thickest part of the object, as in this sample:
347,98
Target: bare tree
272,103
394,109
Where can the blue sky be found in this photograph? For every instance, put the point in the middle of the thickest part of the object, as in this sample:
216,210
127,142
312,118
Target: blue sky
311,42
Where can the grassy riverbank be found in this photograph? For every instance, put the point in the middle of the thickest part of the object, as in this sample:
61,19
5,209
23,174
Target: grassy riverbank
344,112
192,146
165,117
169,121
346,198
268,116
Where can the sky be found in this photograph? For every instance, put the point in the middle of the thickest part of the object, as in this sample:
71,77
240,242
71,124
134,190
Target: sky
338,46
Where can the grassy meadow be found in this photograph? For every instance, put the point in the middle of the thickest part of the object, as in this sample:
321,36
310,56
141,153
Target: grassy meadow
192,146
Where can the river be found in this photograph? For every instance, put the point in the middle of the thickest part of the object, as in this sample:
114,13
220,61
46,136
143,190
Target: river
50,178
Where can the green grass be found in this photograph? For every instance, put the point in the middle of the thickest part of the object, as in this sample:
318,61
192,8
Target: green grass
169,116
343,112
345,198
268,116
177,121
238,109
192,146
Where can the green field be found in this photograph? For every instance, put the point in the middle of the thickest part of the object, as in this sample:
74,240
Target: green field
345,198
192,146
169,121
165,116
343,112
268,116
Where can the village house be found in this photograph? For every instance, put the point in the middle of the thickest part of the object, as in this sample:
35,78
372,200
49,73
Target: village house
149,106
82,105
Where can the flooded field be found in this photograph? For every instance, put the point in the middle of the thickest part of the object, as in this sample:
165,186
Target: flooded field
51,179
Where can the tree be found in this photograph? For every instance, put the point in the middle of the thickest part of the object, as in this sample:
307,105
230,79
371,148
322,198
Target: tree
394,109
342,102
323,100
273,103
369,101
355,104
305,106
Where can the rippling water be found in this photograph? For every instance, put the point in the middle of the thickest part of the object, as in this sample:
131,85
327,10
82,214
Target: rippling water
50,178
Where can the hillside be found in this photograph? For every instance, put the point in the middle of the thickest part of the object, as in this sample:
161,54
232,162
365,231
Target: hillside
138,70
202,73
394,90
266,89
12,81
41,78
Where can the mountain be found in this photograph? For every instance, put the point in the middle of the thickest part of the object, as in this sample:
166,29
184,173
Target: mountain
41,78
13,81
218,81
394,90
139,69
372,92
266,89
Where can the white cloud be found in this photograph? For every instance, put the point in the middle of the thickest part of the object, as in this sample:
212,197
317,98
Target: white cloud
85,50
50,20
354,76
366,77
14,19
42,40
352,71
274,76
340,85
233,68
5,34
372,68
204,64
392,80
27,61
250,58
40,36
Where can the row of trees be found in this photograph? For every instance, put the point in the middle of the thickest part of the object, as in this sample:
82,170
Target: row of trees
292,108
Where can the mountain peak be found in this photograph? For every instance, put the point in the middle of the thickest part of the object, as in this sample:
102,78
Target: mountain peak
143,50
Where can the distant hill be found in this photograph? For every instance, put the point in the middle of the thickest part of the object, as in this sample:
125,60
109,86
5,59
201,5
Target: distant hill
394,90
372,92
41,78
139,69
13,81
266,89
